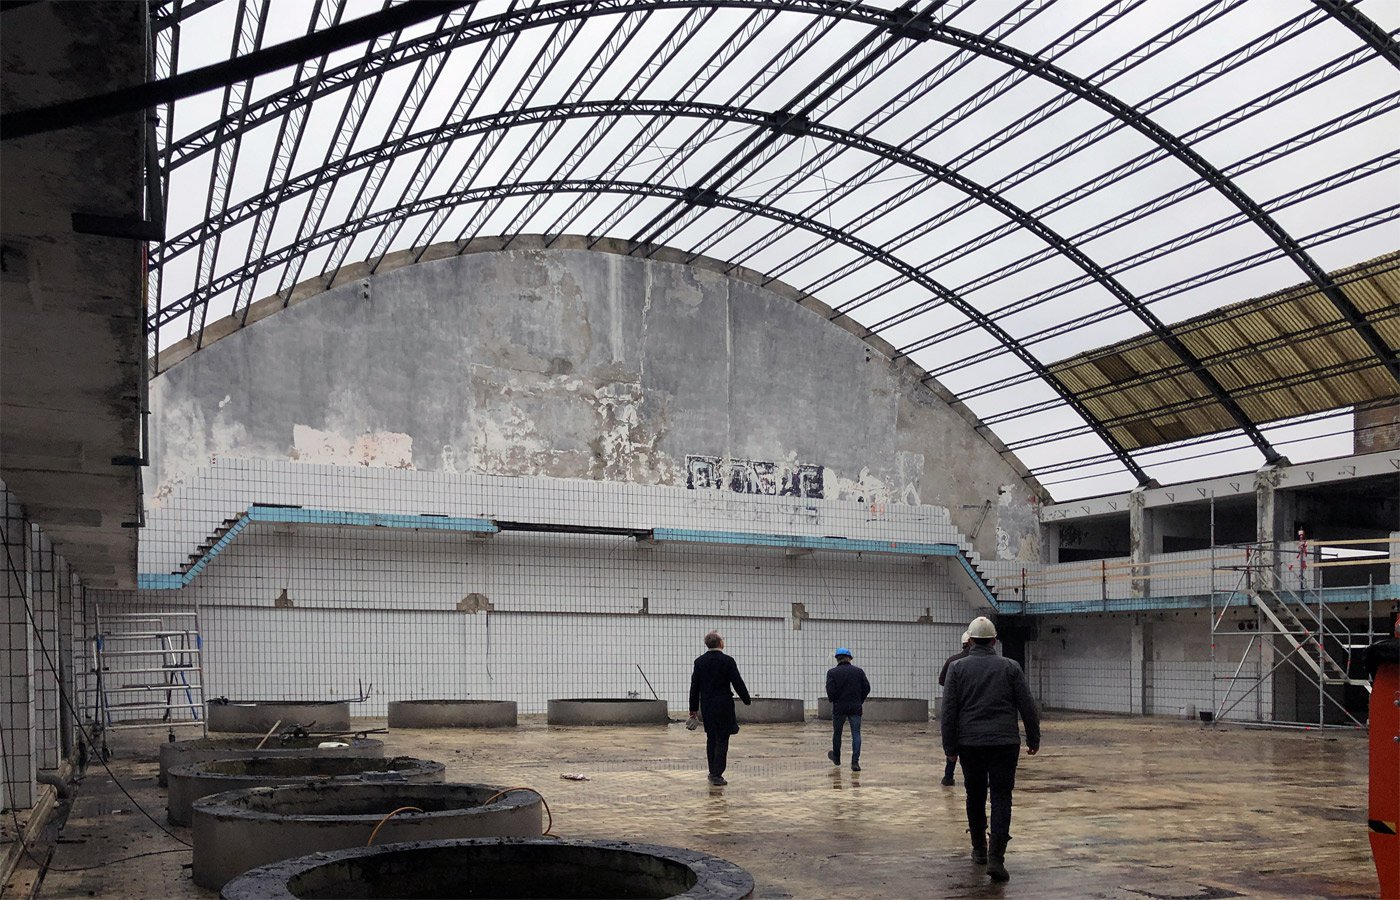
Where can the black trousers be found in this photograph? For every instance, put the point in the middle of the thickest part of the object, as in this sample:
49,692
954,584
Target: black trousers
717,750
991,768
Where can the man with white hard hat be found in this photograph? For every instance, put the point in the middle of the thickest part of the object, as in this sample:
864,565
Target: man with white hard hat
981,699
952,761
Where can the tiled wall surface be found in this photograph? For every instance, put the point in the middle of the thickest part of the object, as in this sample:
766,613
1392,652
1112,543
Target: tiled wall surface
309,611
45,638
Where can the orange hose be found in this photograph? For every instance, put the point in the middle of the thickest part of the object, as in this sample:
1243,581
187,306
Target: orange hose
375,832
501,793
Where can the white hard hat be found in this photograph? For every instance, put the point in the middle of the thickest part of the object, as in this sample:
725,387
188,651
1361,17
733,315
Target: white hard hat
965,638
981,627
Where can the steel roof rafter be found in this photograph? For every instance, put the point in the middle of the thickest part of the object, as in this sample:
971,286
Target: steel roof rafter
248,28
1164,248
425,78
290,132
597,66
559,40
1088,138
926,85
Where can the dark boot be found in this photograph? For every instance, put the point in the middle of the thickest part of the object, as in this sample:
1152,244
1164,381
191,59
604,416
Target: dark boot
979,848
996,858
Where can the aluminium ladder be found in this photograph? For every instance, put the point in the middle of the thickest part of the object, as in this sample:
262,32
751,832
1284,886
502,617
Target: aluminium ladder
149,669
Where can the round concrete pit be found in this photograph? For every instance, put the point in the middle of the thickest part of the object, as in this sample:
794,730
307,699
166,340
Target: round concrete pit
452,714
189,783
605,711
183,753
769,710
884,709
499,868
240,830
259,716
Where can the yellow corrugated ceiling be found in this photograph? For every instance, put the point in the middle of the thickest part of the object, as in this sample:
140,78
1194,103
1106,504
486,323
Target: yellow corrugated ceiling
1281,356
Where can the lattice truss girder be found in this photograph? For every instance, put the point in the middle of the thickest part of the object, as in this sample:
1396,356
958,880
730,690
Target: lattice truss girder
994,188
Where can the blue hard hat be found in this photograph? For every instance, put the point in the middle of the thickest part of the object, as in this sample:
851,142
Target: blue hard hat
842,651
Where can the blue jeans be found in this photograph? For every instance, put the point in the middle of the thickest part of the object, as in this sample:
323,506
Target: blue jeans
837,720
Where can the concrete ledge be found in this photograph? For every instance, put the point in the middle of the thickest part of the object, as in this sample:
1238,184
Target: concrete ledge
501,867
604,711
452,714
884,709
189,783
184,753
769,710
240,830
258,716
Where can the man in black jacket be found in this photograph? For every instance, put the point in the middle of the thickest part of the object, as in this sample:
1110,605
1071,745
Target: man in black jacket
951,761
710,699
846,688
983,695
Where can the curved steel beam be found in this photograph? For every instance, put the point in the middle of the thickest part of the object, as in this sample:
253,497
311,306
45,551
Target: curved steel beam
504,191
775,123
1345,11
1193,160
899,22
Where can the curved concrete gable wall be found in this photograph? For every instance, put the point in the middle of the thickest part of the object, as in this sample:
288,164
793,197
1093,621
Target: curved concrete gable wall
586,365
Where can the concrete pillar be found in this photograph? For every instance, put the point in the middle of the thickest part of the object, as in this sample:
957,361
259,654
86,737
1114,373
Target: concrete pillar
1395,557
16,666
1274,518
43,605
1140,672
1141,540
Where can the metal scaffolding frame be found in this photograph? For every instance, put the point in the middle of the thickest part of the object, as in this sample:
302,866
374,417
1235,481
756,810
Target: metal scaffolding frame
1304,632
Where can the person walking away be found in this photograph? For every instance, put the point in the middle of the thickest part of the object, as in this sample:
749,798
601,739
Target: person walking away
983,695
710,681
846,688
951,762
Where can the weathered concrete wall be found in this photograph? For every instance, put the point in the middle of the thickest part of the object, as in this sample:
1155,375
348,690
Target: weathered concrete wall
591,365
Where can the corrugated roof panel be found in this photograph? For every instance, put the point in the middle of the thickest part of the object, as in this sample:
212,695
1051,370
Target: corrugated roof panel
1281,356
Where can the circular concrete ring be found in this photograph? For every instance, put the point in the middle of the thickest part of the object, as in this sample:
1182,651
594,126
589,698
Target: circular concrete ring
189,783
884,709
241,830
259,716
605,711
183,753
452,714
769,710
496,868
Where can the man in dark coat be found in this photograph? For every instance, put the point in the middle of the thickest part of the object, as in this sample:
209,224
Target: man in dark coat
952,761
984,695
710,699
846,688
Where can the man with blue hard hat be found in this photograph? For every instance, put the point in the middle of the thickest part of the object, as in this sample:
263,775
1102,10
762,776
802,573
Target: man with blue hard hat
846,688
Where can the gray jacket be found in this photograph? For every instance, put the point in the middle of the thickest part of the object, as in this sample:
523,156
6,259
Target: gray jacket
983,694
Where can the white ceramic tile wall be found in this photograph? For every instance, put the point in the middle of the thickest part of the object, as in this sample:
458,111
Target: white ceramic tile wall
381,606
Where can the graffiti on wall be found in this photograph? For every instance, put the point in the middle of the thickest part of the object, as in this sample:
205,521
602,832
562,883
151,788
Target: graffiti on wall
752,476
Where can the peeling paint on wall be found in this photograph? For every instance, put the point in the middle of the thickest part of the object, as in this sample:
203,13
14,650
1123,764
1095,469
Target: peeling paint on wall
1018,524
376,449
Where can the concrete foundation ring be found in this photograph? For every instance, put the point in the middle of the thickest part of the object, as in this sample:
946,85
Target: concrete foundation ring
189,783
884,709
509,867
241,830
605,711
183,753
452,714
259,716
769,710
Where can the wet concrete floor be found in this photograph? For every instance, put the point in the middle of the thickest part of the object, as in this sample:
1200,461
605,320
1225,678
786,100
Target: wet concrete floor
1111,808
